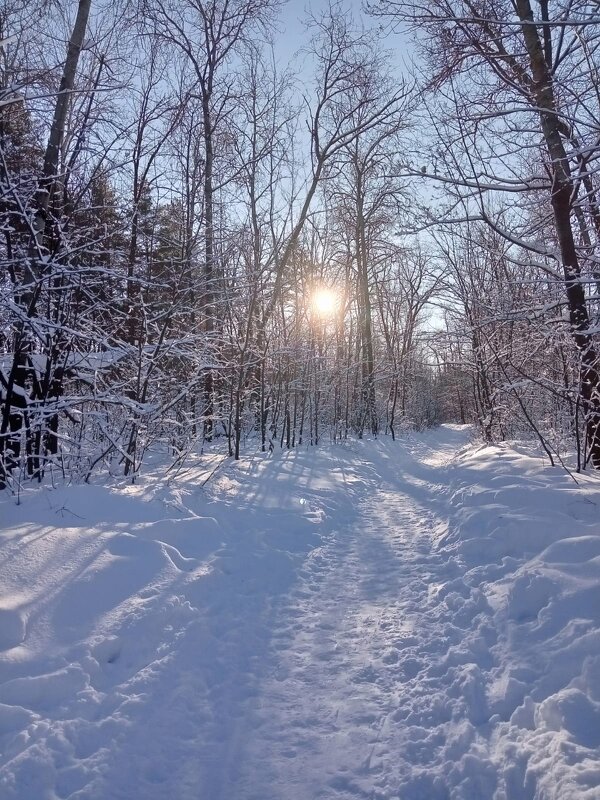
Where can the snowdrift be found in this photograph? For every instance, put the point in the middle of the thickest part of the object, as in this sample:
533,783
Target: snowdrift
527,540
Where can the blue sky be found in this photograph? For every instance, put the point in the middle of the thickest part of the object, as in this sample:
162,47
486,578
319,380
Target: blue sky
293,33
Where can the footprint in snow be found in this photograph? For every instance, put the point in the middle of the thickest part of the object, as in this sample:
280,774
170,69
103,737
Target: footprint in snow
108,650
390,656
411,667
365,675
12,628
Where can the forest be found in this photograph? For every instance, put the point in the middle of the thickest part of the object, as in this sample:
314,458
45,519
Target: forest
217,230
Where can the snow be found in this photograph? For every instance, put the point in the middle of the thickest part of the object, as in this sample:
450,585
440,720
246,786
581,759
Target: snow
417,620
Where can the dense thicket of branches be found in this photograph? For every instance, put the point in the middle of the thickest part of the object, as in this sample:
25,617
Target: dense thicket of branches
173,199
511,97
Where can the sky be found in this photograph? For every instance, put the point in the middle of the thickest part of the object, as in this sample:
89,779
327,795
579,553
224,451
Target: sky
294,35
294,11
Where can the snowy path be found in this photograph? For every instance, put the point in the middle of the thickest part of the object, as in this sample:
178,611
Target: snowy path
359,703
385,621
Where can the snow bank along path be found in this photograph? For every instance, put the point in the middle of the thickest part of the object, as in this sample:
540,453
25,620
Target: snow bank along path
416,620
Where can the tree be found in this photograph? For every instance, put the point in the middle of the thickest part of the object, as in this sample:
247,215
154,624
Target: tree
208,34
39,241
505,71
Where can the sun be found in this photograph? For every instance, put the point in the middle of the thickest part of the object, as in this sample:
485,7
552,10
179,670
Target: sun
325,302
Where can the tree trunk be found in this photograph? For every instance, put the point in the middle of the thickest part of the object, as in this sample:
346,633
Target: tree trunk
15,402
209,256
562,190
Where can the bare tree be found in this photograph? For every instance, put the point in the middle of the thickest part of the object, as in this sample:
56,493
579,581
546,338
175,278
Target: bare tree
507,73
36,225
209,34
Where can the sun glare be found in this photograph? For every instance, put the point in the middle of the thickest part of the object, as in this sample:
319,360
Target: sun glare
325,302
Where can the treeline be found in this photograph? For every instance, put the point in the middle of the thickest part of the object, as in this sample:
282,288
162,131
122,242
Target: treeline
175,200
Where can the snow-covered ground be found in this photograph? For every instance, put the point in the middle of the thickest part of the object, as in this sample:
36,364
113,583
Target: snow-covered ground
417,620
